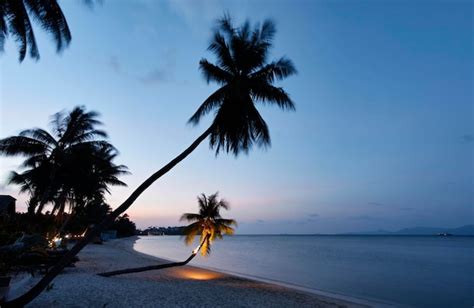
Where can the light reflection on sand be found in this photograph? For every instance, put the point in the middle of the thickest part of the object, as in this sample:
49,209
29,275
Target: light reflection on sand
196,274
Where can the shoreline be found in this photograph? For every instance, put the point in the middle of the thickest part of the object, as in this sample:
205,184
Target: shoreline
370,302
184,286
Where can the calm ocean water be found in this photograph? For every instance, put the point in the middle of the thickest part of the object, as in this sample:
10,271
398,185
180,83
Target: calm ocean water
421,271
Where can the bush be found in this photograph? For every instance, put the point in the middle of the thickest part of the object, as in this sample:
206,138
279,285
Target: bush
124,226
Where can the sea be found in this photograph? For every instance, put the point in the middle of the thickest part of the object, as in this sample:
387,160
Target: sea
413,271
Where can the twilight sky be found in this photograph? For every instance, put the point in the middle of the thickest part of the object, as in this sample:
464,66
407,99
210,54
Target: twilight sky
383,134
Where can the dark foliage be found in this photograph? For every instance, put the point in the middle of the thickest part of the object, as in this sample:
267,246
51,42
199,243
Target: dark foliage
246,78
124,226
16,20
72,166
22,223
162,231
83,217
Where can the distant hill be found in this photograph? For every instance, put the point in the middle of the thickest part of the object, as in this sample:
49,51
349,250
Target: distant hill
464,230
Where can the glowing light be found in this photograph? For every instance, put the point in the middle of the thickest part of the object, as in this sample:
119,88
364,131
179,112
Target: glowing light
199,274
55,242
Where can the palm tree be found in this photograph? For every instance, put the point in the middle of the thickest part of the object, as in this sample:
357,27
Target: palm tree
246,79
88,173
208,224
72,165
16,20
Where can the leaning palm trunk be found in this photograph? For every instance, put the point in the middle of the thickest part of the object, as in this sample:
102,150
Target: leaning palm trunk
155,267
67,258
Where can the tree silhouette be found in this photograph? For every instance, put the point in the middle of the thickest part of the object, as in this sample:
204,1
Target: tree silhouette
247,79
72,165
208,223
16,20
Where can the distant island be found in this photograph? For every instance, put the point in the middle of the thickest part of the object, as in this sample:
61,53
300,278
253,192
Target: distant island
464,230
161,231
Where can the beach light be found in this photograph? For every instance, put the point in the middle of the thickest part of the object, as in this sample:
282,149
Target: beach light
197,274
55,242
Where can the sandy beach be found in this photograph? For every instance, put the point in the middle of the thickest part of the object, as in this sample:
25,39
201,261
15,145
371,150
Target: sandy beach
185,286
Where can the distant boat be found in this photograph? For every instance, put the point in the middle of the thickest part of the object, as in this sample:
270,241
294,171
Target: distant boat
445,234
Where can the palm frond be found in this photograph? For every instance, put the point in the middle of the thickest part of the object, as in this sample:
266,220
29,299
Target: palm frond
225,24
226,222
237,129
190,217
50,16
20,145
214,100
3,25
223,229
272,95
223,204
276,70
206,244
40,135
20,180
212,72
222,50
267,31
20,27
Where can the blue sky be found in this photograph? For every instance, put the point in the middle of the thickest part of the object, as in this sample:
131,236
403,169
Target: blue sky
382,137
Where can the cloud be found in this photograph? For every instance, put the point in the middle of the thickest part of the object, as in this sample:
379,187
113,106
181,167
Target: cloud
313,215
260,221
154,76
114,64
467,138
363,217
161,74
375,203
198,15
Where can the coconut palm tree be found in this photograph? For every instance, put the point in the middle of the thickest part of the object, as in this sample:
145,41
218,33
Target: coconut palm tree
87,175
16,20
71,165
208,224
247,80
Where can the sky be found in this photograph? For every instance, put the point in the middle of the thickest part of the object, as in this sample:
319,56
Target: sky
382,136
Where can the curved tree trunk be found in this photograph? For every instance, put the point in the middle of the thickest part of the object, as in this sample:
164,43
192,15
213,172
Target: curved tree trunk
67,258
155,267
147,268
